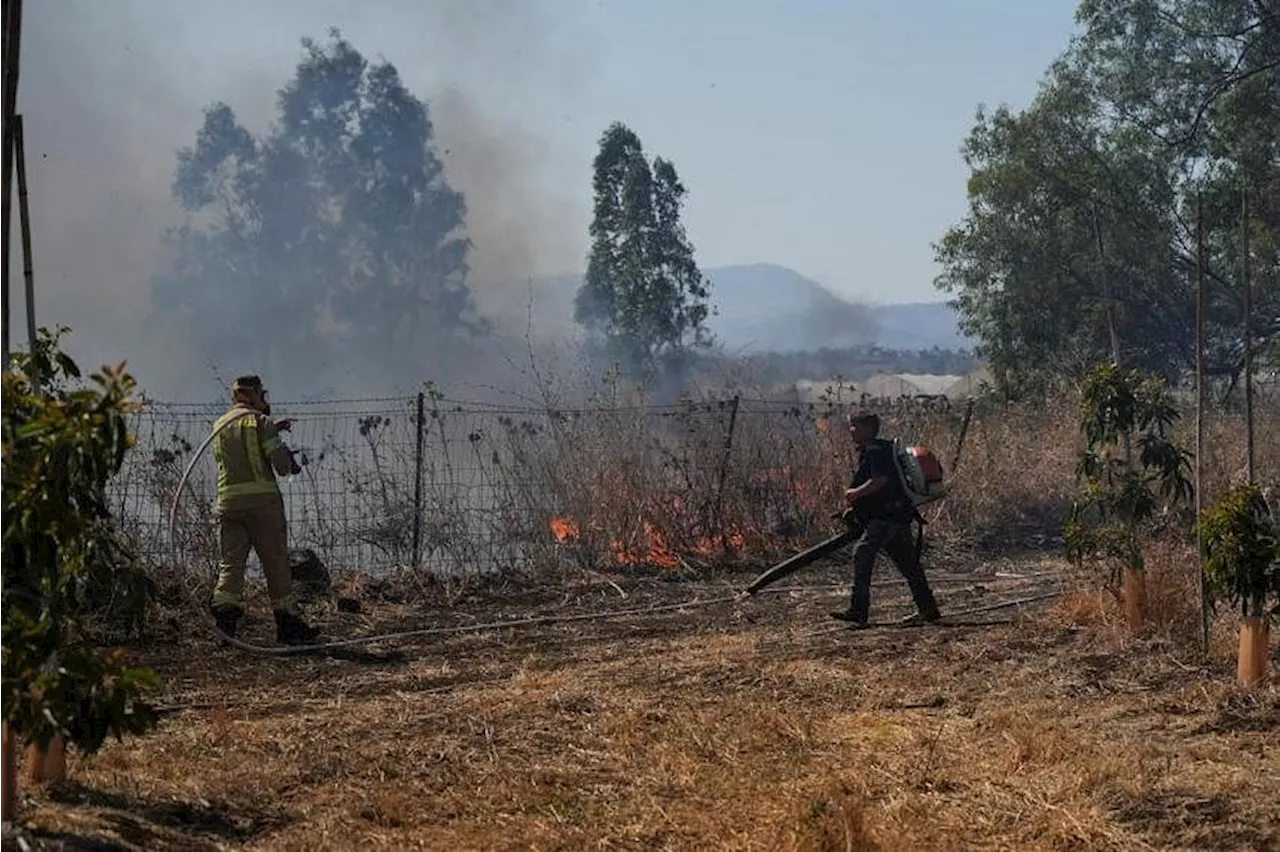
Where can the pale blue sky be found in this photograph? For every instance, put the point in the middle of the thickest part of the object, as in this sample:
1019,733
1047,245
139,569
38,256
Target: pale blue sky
818,135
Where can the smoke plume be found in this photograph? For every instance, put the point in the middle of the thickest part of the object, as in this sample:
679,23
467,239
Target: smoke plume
111,91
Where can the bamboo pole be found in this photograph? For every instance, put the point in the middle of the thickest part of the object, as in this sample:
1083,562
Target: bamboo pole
1248,335
1199,471
24,215
7,124
12,52
10,24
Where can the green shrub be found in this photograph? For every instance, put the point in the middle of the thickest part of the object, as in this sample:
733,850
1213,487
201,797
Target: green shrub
61,445
1240,543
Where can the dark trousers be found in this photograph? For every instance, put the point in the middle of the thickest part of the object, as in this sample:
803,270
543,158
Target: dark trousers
894,538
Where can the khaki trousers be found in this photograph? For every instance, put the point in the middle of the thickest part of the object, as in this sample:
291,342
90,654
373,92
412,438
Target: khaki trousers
259,523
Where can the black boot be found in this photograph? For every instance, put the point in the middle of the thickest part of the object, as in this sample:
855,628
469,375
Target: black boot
227,618
292,630
854,619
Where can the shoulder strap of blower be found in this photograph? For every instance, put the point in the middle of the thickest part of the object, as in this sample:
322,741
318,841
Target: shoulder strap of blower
896,450
899,452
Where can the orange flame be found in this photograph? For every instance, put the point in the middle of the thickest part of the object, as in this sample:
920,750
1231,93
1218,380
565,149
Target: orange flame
564,529
649,546
658,553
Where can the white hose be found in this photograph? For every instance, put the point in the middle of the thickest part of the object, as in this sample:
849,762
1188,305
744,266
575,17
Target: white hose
173,542
285,650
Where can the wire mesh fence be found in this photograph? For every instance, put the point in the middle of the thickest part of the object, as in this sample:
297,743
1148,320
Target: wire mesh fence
464,488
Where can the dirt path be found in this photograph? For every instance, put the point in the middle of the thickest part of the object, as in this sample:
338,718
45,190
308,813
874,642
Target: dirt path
756,724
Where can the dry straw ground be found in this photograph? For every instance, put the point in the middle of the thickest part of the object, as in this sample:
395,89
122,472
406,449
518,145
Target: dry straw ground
751,724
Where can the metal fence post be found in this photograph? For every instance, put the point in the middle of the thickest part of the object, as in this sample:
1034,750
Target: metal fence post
419,424
724,469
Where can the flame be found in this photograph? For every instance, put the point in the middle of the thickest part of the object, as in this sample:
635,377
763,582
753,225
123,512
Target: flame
649,545
564,529
658,553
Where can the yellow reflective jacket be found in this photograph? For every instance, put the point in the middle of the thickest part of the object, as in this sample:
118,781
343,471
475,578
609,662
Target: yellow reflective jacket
246,453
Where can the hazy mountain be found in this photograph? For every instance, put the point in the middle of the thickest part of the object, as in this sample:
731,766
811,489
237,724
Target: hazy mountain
762,308
767,308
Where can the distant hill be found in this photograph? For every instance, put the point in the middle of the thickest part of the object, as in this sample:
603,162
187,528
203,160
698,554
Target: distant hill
767,308
763,308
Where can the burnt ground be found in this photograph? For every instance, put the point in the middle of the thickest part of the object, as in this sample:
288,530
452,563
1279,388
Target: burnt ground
735,724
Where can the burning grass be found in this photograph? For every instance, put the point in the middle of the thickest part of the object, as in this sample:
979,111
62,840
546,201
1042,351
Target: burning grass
736,726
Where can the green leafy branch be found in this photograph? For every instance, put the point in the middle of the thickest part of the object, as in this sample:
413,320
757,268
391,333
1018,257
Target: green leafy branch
61,446
1240,543
1119,499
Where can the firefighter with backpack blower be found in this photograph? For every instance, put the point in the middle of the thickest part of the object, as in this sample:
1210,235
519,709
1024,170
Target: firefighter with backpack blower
881,507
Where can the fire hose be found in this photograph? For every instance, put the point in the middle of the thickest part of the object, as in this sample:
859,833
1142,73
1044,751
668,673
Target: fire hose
285,650
777,572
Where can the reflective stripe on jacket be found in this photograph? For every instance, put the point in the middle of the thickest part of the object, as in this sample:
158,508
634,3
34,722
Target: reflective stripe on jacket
242,452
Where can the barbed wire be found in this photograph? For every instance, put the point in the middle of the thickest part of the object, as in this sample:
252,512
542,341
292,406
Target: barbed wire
474,489
477,406
475,486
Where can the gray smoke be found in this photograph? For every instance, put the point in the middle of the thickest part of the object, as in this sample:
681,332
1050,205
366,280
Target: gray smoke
111,91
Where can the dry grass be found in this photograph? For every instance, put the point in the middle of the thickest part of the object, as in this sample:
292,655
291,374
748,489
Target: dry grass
753,725
756,725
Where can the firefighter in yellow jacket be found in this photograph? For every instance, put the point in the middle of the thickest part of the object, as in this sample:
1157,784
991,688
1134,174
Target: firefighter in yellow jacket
250,511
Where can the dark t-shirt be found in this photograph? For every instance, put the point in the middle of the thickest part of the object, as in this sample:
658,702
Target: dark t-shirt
890,502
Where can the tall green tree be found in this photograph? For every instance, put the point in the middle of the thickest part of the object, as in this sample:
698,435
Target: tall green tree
644,298
334,235
1066,242
1081,232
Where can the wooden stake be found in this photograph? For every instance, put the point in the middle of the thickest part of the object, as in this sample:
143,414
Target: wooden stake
10,779
1255,648
1199,471
47,764
10,26
1248,335
24,215
12,52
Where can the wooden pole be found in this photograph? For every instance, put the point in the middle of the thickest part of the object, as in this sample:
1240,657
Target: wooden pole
724,470
1199,471
1248,335
24,215
7,124
12,43
10,23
